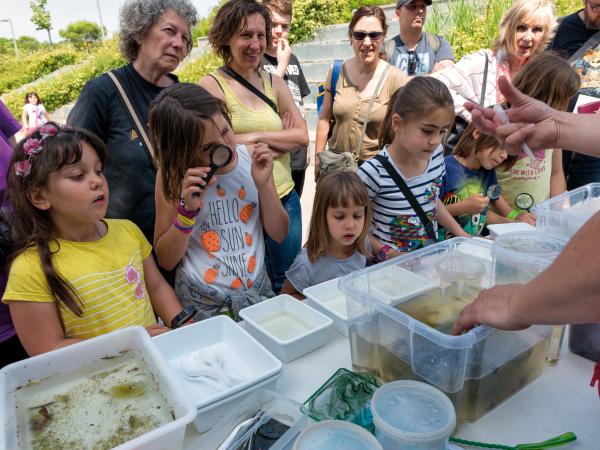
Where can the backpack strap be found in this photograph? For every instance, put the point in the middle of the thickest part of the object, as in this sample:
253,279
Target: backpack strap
434,41
141,131
590,43
335,75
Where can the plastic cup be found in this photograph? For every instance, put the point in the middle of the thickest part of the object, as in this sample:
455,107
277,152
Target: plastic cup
335,435
410,415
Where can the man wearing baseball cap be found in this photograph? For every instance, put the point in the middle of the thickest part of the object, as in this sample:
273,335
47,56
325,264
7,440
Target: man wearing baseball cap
415,51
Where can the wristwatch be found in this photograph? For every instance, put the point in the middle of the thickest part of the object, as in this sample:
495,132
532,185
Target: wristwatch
183,317
383,253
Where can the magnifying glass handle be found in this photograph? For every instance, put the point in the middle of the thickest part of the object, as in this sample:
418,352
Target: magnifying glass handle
209,176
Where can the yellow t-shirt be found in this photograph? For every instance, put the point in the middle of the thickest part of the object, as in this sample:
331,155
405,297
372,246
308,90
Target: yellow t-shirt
107,275
247,120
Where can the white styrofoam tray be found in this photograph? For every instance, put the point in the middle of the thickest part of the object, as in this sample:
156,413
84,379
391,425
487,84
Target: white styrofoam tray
328,299
66,359
313,326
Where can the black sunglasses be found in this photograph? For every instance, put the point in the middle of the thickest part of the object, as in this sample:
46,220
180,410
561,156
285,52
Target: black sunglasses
361,35
412,63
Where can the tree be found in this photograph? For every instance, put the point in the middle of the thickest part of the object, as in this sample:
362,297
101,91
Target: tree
28,43
41,17
82,33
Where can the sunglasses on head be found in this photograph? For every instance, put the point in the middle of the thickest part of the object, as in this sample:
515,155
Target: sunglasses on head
361,35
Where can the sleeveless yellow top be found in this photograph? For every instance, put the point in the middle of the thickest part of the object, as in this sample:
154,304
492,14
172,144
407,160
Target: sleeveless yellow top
247,120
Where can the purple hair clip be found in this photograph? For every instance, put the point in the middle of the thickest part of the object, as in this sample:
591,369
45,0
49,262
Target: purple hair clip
32,147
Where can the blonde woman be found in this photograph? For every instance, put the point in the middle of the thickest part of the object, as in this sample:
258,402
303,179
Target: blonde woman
525,30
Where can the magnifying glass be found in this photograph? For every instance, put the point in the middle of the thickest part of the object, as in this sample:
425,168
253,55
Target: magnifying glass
220,155
494,192
524,201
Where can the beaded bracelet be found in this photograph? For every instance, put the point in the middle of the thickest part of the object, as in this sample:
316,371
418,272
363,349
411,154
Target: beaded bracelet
183,228
184,212
513,214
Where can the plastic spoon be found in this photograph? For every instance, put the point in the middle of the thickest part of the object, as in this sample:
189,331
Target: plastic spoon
504,119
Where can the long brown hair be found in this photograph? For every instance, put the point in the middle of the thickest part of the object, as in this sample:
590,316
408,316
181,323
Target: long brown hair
473,141
417,98
33,227
550,79
176,130
334,190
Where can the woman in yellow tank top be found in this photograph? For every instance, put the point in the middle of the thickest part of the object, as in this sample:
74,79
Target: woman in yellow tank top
240,34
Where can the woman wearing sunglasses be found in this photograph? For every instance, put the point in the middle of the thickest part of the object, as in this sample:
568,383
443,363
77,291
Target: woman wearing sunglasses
358,104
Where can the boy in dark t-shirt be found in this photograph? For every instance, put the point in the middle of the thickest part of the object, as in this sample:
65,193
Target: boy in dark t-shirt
280,60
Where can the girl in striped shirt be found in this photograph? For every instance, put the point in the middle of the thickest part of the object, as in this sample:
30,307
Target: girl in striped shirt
417,120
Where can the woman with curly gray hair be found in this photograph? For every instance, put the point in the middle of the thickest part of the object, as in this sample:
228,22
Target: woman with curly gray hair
155,37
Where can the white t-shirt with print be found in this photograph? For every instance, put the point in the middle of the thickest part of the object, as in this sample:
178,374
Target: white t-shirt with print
226,247
35,115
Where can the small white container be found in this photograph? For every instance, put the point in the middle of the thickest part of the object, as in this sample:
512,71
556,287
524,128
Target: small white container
499,229
242,356
335,435
63,360
328,299
410,415
287,327
396,283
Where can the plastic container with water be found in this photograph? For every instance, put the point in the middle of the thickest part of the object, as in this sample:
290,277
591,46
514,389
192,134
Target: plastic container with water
410,415
519,257
564,215
407,335
336,435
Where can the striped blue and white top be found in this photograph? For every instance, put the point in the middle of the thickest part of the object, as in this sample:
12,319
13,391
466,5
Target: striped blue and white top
395,223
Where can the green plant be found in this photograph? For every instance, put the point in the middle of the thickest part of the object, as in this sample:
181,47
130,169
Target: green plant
82,34
192,71
15,72
41,18
61,89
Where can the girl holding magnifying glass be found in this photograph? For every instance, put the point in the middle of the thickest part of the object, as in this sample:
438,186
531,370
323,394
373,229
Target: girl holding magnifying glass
212,199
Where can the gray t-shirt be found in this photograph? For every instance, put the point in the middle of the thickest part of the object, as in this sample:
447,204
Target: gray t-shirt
303,273
424,54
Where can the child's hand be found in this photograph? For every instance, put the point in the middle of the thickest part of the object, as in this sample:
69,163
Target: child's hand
156,329
193,183
476,203
526,217
262,164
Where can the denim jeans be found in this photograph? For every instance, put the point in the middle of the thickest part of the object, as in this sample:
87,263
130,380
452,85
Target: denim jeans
580,169
280,256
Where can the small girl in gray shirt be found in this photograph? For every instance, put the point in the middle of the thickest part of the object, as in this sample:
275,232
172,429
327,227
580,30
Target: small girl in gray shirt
338,236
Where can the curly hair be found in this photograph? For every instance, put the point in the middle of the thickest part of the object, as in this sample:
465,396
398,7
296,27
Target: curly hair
137,17
231,19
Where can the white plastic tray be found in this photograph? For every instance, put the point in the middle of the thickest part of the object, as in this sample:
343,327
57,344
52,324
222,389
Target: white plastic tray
499,229
242,354
328,299
396,283
167,437
315,325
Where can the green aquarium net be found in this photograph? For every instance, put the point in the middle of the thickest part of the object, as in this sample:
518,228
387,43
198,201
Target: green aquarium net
346,395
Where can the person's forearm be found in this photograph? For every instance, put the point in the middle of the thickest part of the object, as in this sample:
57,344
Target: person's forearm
164,302
321,137
445,219
494,218
45,347
284,140
274,217
502,207
457,209
580,132
170,247
569,290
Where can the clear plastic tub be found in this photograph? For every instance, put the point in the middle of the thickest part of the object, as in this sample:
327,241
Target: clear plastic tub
410,337
519,257
566,213
92,353
335,435
410,415
327,298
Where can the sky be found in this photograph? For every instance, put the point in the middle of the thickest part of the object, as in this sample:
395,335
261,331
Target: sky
64,12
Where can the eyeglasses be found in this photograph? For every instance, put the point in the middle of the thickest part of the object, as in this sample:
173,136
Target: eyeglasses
361,35
412,63
594,8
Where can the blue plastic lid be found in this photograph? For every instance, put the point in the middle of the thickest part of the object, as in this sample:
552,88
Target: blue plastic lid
412,411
